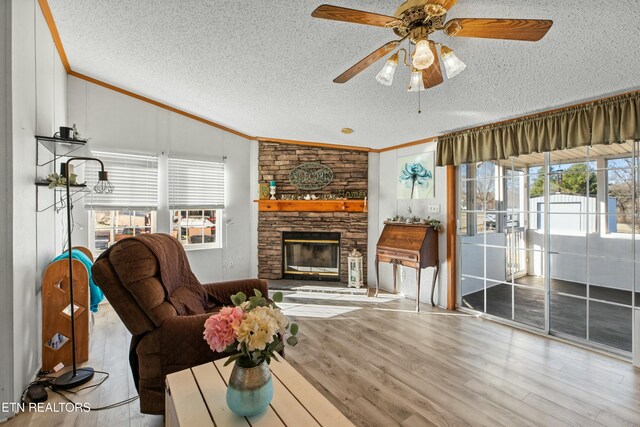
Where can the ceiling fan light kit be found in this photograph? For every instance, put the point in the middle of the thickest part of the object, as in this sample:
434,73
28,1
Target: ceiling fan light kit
417,20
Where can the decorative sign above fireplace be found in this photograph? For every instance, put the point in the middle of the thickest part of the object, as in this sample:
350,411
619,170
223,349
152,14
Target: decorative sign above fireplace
311,176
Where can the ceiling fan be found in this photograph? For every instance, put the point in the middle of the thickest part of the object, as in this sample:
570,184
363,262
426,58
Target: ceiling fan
416,20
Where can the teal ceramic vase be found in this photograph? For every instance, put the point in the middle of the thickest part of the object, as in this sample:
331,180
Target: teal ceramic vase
250,389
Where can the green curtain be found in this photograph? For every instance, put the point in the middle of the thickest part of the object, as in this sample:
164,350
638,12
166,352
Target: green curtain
611,120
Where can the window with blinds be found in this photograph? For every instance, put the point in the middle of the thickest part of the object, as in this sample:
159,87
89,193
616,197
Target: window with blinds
196,184
135,179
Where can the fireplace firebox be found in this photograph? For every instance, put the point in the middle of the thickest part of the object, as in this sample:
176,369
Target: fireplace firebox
311,255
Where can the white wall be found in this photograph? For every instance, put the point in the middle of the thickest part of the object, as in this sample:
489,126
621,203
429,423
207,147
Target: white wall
6,241
253,191
373,217
384,204
119,123
38,105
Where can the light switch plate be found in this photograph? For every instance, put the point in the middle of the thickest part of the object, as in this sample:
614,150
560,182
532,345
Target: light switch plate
434,209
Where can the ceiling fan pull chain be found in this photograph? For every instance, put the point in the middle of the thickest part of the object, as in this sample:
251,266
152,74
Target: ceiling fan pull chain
419,94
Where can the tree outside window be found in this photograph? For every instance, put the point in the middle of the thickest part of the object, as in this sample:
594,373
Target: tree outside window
566,180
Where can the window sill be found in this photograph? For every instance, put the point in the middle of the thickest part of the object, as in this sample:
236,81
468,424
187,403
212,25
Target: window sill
201,247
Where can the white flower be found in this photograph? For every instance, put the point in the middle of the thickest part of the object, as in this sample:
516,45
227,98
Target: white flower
258,328
282,320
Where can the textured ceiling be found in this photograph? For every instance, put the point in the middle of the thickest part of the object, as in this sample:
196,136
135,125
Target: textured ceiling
266,67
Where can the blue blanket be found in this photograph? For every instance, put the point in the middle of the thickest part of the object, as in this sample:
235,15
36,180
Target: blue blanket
94,291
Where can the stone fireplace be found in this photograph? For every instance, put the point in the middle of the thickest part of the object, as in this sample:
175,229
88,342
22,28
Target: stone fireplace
347,228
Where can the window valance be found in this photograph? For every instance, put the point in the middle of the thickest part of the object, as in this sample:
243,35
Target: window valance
607,121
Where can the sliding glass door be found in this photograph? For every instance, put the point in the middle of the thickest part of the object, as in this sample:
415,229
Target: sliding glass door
549,241
496,259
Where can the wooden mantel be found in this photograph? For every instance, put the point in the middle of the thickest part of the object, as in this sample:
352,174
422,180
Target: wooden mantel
311,205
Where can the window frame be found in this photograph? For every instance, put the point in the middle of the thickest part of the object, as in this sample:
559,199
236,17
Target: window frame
91,214
607,215
218,224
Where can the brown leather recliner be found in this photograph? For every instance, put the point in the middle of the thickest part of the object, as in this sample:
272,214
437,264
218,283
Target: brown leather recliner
148,281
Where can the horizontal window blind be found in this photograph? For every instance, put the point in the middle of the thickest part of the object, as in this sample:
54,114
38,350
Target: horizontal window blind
196,184
135,181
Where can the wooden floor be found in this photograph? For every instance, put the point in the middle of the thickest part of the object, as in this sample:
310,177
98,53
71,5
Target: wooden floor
109,352
382,364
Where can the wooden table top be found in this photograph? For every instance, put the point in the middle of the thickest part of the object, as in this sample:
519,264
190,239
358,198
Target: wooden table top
199,399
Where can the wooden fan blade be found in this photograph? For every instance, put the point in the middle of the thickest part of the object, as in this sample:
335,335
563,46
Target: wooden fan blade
432,76
336,13
510,29
447,4
367,61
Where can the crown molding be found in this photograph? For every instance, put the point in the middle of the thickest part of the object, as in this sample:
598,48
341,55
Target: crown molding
314,144
406,144
48,17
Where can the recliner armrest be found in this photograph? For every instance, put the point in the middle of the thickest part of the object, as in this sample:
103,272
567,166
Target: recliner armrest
182,342
222,291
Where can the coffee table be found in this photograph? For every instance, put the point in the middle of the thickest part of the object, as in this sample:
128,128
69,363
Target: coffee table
197,397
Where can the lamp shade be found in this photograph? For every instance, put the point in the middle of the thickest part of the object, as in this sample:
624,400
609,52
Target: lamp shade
452,64
423,58
385,76
416,84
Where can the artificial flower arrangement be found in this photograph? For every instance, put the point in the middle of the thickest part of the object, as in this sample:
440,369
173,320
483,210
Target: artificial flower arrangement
254,329
432,222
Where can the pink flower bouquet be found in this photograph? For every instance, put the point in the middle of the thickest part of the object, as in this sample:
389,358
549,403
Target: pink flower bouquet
254,329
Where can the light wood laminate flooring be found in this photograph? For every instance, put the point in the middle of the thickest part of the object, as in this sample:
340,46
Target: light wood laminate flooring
382,364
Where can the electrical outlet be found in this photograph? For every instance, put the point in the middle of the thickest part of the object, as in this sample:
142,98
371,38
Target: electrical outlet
403,274
434,209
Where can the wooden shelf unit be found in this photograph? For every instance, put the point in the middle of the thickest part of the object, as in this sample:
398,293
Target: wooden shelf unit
311,205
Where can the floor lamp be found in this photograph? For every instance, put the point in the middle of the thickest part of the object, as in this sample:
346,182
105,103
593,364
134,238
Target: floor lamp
77,376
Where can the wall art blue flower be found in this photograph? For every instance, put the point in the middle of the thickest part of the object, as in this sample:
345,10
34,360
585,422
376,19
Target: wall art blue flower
416,177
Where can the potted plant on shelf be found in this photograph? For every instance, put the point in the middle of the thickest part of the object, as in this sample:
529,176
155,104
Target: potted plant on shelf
56,180
254,330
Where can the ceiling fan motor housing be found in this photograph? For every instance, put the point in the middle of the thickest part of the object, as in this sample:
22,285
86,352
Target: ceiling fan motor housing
415,14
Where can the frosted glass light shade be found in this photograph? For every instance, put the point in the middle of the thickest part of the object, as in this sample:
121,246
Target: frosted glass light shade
423,58
452,64
416,84
385,76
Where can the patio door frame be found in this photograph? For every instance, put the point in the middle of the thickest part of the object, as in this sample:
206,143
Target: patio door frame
546,330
